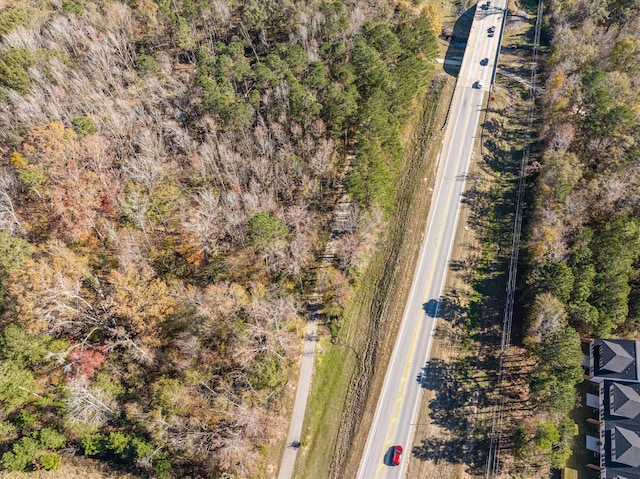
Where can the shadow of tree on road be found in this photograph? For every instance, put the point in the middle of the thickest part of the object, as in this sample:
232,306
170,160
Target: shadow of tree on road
458,388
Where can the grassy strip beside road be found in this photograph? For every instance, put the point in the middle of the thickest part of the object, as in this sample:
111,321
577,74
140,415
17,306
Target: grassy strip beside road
344,392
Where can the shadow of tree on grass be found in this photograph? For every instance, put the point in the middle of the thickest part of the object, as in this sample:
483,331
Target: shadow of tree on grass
458,42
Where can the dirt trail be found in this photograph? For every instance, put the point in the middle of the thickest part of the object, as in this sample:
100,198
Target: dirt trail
339,224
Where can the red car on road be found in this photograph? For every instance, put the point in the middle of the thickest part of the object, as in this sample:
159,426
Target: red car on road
395,457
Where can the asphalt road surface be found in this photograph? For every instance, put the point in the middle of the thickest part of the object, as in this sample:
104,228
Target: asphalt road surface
398,404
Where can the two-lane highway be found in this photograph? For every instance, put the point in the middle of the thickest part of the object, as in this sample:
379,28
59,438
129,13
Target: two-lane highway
401,393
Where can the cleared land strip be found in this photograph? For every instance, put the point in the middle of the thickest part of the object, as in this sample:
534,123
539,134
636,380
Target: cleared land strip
493,456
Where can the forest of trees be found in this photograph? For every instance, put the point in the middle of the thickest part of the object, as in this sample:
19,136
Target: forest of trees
166,183
583,252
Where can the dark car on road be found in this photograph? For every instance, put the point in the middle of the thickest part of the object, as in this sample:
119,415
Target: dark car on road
484,62
395,456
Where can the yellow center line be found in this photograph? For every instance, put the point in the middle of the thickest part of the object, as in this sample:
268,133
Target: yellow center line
397,407
400,395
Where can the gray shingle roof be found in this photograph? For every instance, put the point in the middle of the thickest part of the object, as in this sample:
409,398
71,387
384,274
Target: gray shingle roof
626,445
614,358
625,401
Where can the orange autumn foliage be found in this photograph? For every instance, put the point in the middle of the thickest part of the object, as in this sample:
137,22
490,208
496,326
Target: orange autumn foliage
139,299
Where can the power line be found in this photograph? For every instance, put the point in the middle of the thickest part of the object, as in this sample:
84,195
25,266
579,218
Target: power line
493,456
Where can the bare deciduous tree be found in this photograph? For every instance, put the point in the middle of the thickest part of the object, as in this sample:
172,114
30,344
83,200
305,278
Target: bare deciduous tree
89,405
268,321
204,222
562,138
9,220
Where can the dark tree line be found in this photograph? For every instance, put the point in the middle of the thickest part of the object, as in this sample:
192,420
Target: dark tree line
583,237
